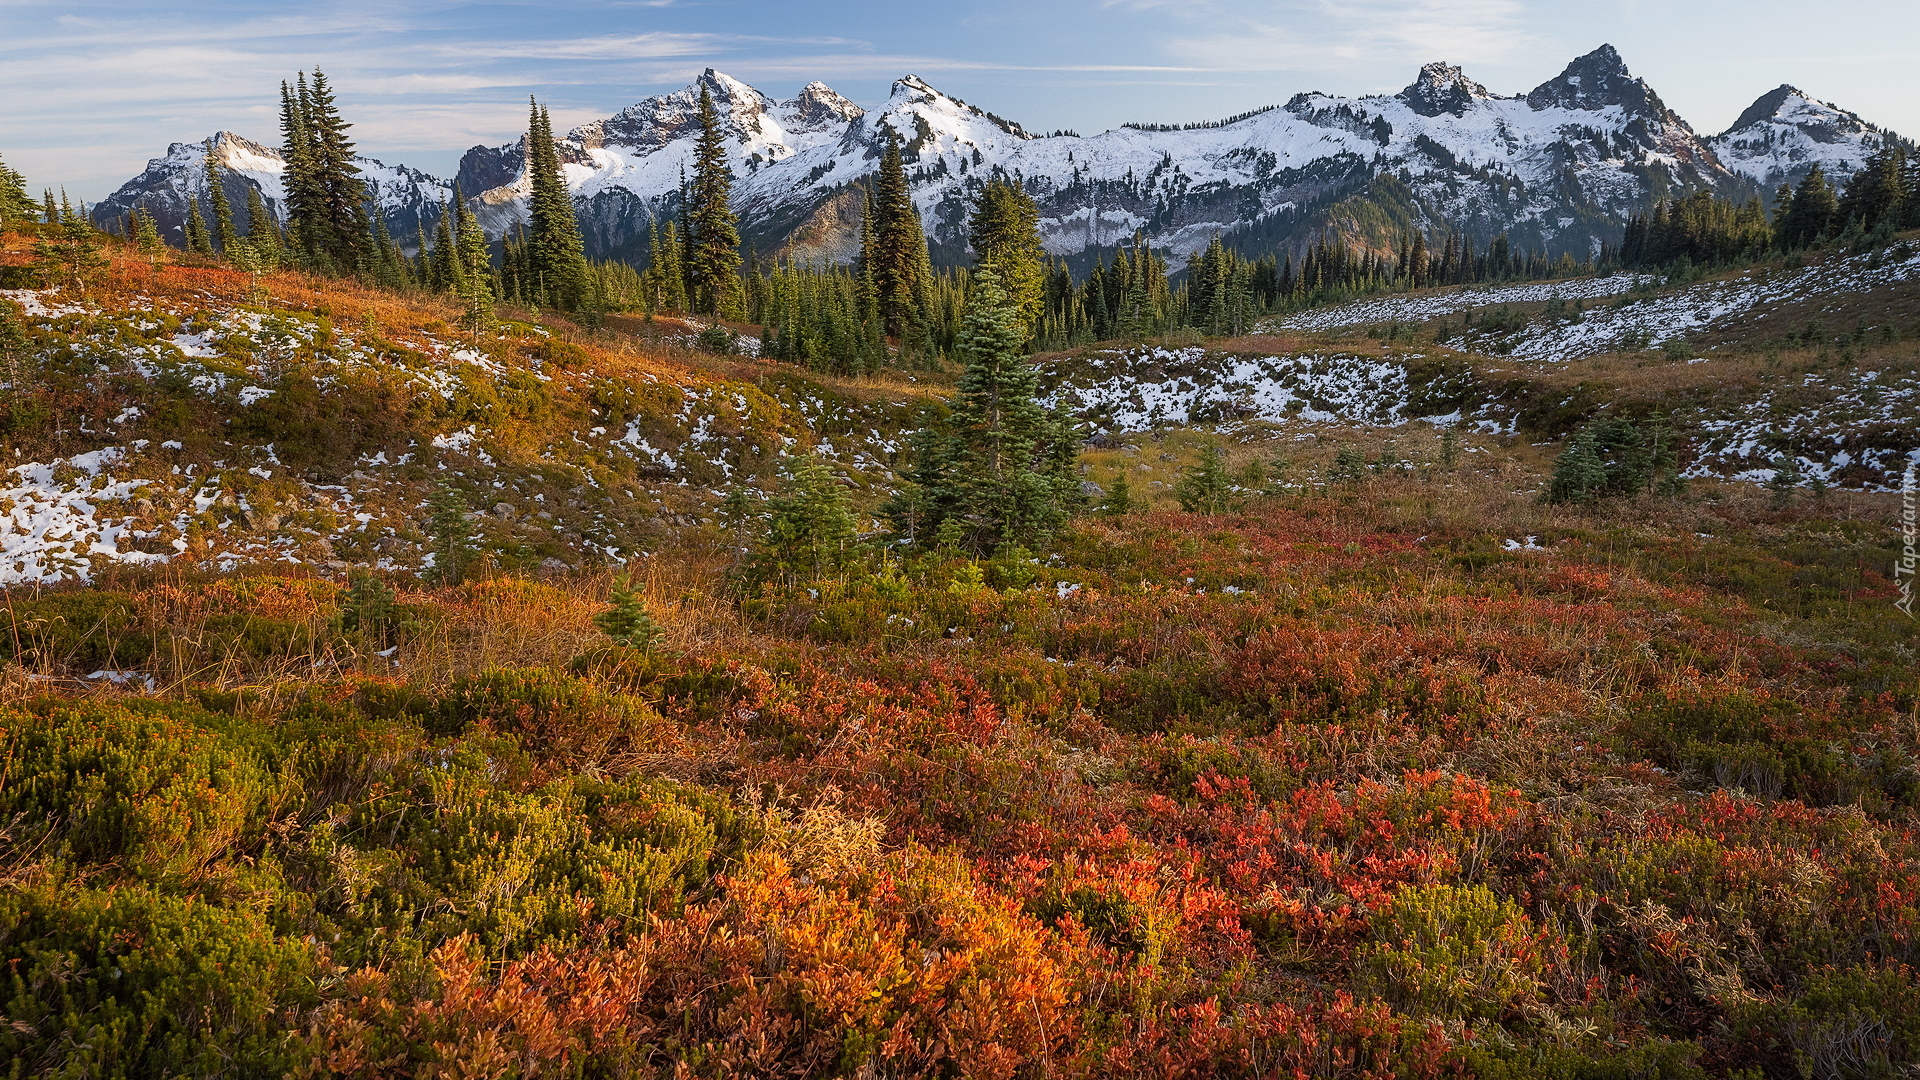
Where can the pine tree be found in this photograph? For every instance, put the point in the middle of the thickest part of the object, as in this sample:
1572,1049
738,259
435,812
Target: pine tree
1004,231
1811,215
1118,501
713,232
196,239
263,232
475,267
306,210
1000,470
368,606
556,255
1878,192
225,238
810,524
146,235
345,232
450,535
627,621
49,212
1206,488
70,255
894,259
16,206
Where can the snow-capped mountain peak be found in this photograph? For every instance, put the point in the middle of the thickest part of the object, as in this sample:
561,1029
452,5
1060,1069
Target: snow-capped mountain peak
1786,132
1558,168
1598,80
1443,89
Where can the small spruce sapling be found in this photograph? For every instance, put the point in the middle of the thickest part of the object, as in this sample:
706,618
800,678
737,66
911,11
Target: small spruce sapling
452,537
1205,488
627,621
1118,502
1786,478
367,607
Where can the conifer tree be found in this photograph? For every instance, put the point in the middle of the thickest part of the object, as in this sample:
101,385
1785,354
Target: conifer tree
1206,488
71,254
146,235
450,534
1000,470
1878,192
263,232
1118,502
16,206
713,235
474,263
810,524
627,621
225,237
1810,217
196,239
49,212
894,257
306,213
346,230
1004,230
556,256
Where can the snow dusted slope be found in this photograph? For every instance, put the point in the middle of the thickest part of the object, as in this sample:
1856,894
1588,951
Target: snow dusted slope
411,198
1783,135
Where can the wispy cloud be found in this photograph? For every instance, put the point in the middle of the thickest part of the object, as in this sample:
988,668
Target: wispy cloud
1326,35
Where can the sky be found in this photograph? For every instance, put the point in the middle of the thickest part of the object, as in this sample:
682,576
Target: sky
91,89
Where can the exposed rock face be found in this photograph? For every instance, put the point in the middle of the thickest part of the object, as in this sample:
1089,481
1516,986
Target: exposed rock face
1443,88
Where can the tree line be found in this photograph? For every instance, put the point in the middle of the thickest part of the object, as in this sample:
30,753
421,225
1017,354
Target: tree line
1703,229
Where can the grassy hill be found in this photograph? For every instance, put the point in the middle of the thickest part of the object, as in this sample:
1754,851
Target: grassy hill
1390,769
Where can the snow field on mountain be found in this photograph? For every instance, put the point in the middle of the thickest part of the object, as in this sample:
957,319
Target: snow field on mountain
1425,306
1658,319
1138,390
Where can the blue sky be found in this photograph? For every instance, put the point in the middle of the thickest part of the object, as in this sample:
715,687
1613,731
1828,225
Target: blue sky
90,89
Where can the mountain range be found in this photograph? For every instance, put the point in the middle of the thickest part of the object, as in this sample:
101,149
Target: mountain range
1557,168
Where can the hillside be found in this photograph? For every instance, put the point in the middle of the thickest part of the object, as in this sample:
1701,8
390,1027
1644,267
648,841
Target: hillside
1386,769
1557,168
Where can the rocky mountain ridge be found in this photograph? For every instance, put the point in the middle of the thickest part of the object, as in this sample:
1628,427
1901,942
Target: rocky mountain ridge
1557,168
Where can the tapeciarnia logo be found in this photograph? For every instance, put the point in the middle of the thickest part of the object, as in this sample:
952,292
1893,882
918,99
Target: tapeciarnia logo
1904,565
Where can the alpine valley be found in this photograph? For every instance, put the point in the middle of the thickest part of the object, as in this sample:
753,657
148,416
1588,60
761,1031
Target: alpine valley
1558,168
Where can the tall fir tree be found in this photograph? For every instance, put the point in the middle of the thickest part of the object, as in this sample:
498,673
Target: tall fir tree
346,232
475,266
713,233
306,213
556,255
1878,192
16,206
146,236
999,471
225,237
263,232
1004,232
894,262
1811,216
69,255
195,228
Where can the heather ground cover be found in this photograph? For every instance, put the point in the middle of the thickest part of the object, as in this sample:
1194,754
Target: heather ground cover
1336,785
1387,768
